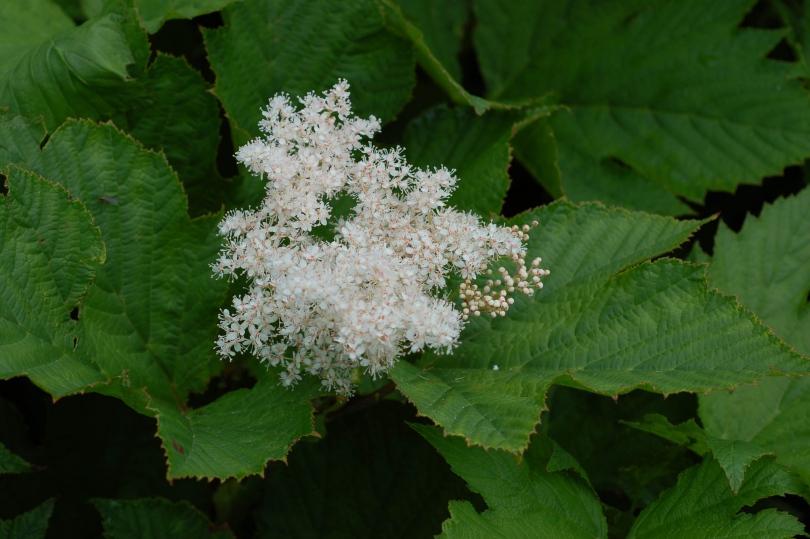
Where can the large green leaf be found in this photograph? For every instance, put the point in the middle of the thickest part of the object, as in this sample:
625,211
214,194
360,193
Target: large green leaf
154,13
151,315
155,518
662,99
477,147
371,476
237,434
52,68
766,266
30,525
702,505
181,118
49,251
297,46
602,321
734,456
524,499
154,303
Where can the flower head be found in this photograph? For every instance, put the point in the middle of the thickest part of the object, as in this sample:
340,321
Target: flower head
371,294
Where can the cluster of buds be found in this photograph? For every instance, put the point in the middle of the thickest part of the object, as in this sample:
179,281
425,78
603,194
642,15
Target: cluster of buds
493,297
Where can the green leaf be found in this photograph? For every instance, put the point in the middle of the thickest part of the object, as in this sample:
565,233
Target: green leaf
11,463
601,322
734,457
154,13
49,249
295,46
628,467
796,15
237,434
20,138
523,498
151,315
371,476
687,434
477,147
662,99
766,266
55,69
182,119
152,310
30,525
155,518
702,505
536,148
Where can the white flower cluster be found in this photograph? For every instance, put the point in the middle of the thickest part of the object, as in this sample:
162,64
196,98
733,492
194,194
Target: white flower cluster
327,308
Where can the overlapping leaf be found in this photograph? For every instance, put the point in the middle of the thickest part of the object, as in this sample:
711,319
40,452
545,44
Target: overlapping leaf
155,518
601,322
766,266
49,252
11,463
181,118
702,505
52,68
238,433
151,314
734,456
525,500
30,525
663,99
154,13
294,46
476,147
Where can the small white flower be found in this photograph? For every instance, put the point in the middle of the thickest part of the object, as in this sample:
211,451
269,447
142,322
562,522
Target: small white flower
373,293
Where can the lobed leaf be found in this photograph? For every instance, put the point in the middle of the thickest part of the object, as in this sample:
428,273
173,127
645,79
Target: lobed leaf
154,13
734,456
237,434
702,505
766,266
49,251
477,148
181,118
523,499
292,46
11,463
151,316
55,69
601,322
155,518
662,99
30,525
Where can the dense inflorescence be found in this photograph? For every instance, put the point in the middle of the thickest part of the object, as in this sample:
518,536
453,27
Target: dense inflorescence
372,293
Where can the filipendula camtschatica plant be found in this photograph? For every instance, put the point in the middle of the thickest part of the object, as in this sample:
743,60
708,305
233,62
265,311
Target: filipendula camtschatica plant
375,292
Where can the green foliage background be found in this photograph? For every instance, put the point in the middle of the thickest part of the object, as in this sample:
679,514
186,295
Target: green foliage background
600,407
